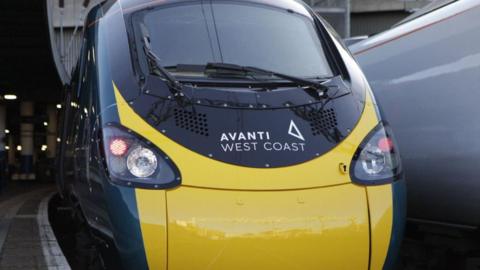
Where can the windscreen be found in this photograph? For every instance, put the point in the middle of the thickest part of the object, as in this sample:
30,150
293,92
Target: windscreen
241,33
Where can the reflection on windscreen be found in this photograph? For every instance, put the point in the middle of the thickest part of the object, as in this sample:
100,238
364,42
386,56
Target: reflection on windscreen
239,33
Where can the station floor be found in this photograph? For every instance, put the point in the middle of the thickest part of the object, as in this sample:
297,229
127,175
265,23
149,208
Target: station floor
27,241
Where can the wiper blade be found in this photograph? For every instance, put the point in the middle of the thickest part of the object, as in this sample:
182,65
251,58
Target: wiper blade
176,88
157,69
322,89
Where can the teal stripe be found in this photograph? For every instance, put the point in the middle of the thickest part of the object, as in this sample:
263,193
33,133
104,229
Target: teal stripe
126,227
398,226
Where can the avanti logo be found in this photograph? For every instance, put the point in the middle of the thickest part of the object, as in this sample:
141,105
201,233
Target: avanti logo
294,131
254,140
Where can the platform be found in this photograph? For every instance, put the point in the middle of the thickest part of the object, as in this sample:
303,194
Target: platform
27,241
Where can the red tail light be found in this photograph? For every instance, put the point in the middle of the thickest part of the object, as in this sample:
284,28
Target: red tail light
385,144
118,147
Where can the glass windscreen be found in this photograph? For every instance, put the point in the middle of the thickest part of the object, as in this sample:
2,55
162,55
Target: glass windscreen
234,32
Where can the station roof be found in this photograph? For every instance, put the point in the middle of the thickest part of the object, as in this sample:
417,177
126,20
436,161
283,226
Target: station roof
26,64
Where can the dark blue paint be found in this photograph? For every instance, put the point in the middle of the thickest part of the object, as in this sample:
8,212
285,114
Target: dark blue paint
122,209
398,227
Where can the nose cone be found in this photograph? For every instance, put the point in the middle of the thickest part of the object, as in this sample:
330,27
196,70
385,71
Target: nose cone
305,229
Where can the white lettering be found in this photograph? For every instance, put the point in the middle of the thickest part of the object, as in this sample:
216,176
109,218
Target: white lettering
249,141
277,146
294,147
303,146
241,137
238,147
280,146
252,136
267,146
227,147
233,136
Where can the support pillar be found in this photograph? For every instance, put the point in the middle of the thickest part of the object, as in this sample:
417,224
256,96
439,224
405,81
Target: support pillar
3,153
26,141
11,151
51,132
11,158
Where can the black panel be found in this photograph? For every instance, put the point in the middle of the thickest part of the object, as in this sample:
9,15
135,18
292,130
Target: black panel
250,134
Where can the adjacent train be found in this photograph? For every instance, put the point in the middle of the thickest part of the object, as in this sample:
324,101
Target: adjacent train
425,73
227,135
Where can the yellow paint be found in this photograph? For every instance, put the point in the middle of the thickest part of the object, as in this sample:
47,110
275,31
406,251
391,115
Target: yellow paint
325,228
381,217
200,171
307,216
153,216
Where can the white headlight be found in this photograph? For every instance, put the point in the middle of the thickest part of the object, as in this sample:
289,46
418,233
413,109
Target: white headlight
372,159
141,162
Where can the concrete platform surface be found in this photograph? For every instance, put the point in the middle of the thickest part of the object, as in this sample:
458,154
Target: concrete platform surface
26,238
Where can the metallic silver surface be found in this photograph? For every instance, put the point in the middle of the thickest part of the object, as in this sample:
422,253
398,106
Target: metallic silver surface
426,76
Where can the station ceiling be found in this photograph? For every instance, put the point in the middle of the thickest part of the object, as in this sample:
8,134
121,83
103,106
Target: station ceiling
26,65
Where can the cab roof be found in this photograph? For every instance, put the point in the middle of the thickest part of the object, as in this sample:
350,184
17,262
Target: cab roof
128,6
110,7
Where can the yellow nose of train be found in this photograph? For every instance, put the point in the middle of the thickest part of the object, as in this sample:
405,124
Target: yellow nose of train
307,216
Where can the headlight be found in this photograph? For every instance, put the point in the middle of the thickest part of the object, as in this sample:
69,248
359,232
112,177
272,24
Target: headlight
131,160
377,160
141,162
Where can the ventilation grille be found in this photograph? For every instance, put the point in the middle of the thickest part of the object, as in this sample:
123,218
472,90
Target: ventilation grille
193,122
322,121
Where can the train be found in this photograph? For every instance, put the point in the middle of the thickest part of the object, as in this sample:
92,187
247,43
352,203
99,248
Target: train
424,72
226,135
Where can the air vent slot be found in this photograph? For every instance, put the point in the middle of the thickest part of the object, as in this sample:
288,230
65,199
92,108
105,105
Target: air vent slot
191,121
322,121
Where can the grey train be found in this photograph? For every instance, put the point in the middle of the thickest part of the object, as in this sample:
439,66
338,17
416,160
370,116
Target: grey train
425,73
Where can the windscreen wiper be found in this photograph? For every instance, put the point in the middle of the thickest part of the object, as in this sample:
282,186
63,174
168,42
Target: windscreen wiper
320,88
175,87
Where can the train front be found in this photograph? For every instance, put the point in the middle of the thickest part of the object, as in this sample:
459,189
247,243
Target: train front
244,136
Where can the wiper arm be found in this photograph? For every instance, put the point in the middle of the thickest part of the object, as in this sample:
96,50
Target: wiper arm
156,68
322,89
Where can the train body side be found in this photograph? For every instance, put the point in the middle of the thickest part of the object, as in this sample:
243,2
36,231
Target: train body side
426,76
